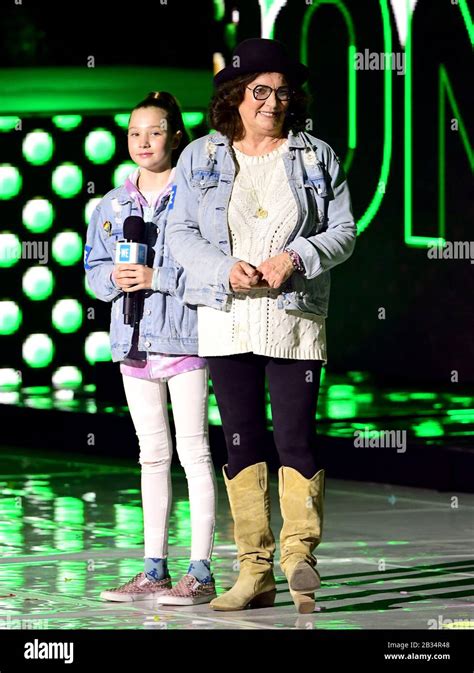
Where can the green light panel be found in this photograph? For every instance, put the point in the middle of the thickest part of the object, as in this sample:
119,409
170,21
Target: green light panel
8,123
10,181
38,147
67,248
67,122
122,120
122,172
9,378
38,350
90,207
10,249
87,288
97,347
67,315
67,377
67,180
99,146
38,215
10,317
58,193
38,283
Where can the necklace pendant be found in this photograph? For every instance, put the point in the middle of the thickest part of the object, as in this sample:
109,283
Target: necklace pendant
262,213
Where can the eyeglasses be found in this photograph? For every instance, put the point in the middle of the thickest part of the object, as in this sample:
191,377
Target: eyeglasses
262,92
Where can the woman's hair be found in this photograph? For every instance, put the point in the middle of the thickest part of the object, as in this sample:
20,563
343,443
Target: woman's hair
224,115
167,102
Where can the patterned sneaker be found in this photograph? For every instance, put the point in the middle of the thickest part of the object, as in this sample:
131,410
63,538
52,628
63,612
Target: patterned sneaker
140,588
189,591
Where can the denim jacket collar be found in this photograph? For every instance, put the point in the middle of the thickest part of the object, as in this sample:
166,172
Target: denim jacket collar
296,141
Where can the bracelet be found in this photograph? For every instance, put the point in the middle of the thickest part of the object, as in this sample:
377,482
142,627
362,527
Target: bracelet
155,281
296,260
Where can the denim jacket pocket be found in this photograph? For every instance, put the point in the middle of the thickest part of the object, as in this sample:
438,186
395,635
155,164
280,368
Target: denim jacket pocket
311,294
319,203
204,179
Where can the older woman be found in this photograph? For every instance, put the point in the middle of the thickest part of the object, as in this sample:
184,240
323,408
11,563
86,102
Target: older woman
261,212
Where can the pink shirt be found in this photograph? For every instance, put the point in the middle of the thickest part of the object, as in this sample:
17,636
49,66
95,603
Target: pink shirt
157,365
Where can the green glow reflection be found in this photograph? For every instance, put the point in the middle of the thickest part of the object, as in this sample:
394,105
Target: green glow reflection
428,428
183,523
71,577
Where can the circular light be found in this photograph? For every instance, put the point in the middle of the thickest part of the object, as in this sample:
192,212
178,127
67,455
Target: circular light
67,315
67,248
10,378
97,347
38,215
67,377
88,288
122,120
38,283
10,317
10,249
38,350
8,123
90,207
67,180
99,146
122,172
10,181
192,119
67,122
38,147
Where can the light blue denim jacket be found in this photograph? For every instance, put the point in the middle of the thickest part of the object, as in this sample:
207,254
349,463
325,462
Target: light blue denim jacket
198,234
167,325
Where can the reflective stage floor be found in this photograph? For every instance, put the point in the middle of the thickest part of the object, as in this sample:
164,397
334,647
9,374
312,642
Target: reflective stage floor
392,557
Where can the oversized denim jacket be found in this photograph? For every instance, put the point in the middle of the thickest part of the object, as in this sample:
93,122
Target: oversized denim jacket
198,235
167,324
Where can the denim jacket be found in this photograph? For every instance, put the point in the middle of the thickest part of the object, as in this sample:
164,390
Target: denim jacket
167,325
198,234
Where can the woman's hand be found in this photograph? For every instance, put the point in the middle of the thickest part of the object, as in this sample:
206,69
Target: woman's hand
275,270
244,277
133,277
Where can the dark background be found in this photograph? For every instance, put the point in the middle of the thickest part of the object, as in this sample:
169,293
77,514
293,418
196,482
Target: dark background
428,331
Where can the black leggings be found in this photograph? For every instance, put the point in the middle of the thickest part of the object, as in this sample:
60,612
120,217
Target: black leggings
239,386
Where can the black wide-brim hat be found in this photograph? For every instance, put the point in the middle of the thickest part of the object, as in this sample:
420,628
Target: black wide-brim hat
259,54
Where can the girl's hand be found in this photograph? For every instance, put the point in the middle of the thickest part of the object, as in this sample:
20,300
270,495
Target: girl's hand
133,277
276,270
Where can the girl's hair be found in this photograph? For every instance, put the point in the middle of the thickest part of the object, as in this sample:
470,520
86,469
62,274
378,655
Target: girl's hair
167,102
224,115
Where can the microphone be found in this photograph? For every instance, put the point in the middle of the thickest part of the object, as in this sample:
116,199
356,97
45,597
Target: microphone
132,250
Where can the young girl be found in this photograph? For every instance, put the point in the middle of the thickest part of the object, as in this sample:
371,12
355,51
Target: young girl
159,351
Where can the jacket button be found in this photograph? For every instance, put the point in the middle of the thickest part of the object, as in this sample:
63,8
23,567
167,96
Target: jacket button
147,344
148,312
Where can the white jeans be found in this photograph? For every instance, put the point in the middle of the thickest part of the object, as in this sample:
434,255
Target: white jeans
147,401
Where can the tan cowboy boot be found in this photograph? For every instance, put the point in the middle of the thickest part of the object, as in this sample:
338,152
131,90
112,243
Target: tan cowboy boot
250,506
301,503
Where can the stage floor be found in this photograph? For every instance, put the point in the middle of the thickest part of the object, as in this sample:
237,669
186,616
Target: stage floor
392,557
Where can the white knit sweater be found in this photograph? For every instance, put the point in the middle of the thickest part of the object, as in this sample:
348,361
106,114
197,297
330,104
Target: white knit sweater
255,324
